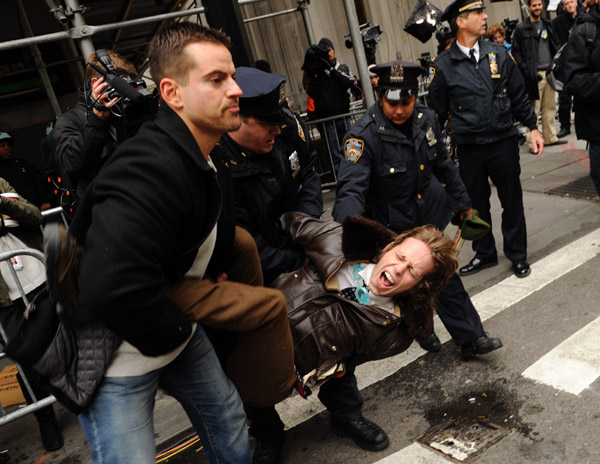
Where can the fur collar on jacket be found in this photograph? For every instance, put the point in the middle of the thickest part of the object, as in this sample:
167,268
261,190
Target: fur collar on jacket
363,239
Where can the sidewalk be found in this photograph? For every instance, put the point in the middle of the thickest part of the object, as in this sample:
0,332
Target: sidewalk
552,220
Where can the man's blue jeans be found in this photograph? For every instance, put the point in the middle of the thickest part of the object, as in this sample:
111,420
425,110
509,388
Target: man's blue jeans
119,424
595,164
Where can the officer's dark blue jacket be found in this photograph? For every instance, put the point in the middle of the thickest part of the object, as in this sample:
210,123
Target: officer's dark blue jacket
268,185
395,180
480,102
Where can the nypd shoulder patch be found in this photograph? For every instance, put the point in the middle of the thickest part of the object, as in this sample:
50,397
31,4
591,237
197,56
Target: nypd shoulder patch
300,130
431,74
353,149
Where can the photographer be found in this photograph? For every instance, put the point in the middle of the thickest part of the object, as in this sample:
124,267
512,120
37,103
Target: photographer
327,82
87,133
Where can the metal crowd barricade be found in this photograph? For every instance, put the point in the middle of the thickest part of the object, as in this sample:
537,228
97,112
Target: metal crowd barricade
323,140
55,212
5,417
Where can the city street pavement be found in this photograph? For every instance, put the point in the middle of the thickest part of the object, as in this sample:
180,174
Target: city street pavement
533,401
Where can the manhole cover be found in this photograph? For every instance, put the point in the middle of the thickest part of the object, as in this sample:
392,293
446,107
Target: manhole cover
462,439
580,188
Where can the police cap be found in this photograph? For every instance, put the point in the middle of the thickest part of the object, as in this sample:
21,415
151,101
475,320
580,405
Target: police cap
398,79
262,95
460,6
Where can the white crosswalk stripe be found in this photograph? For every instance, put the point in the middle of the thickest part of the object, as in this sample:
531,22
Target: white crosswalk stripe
573,365
414,454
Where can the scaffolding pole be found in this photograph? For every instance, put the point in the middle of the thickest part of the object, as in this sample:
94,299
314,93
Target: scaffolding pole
271,15
86,30
359,52
39,63
303,6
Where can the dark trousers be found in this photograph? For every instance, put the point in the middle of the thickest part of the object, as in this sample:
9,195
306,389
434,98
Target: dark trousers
565,101
500,162
340,396
457,313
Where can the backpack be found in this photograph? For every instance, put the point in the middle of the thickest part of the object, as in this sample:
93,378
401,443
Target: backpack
555,75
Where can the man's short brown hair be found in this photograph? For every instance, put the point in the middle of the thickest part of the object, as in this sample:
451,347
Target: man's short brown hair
166,52
120,63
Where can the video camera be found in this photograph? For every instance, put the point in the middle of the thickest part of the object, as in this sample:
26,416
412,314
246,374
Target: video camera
370,36
316,59
443,35
425,60
509,26
137,104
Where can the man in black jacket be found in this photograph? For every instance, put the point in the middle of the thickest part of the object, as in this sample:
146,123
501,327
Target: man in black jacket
563,24
149,219
479,85
534,44
582,72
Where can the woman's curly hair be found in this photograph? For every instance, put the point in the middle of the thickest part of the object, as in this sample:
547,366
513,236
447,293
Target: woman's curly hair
494,29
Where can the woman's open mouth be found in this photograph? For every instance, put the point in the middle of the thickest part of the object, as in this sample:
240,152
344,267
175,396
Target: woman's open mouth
386,280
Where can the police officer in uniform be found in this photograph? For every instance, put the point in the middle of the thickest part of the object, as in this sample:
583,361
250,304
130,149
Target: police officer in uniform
479,85
395,162
271,163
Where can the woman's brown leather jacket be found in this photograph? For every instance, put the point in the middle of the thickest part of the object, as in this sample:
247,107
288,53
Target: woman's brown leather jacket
329,330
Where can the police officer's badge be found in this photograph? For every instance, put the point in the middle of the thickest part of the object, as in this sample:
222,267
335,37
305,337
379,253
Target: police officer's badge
493,65
353,149
397,73
294,163
431,140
